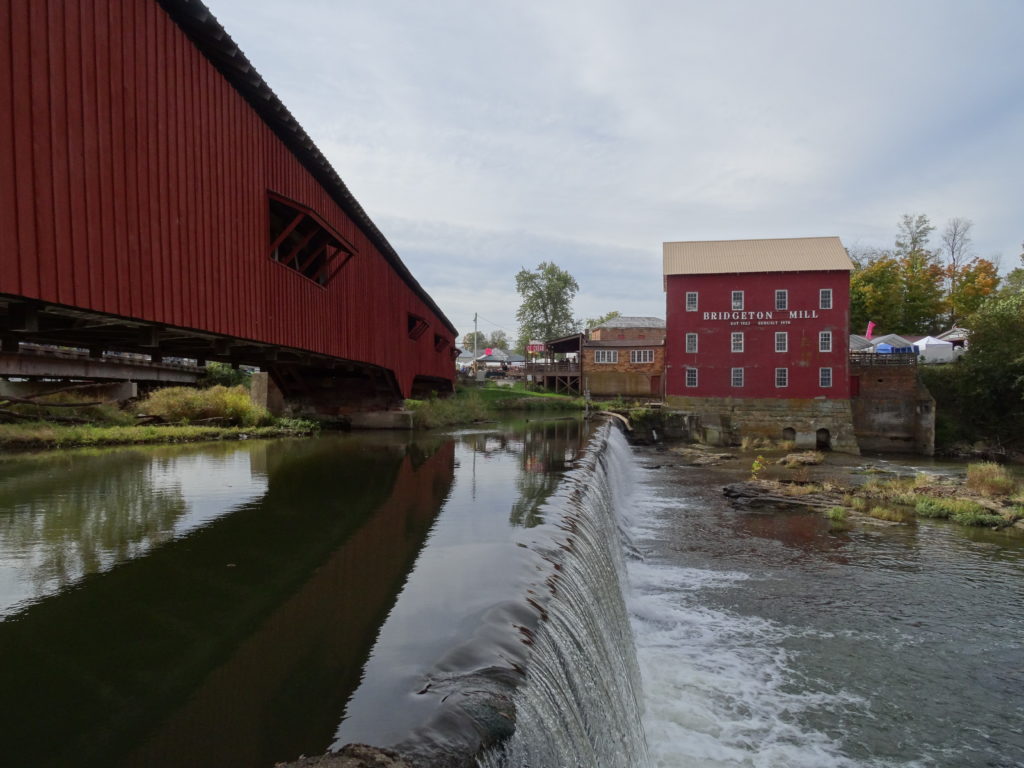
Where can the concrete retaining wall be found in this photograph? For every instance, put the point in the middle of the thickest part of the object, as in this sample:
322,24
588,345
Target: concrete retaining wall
893,411
727,420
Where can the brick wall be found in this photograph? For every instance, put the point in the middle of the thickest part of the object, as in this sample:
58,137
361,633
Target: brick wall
623,377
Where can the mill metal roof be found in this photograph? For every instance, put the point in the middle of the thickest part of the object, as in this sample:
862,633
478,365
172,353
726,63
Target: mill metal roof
632,322
788,254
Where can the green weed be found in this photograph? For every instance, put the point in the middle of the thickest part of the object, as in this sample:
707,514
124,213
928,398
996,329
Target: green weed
885,513
226,405
990,478
838,514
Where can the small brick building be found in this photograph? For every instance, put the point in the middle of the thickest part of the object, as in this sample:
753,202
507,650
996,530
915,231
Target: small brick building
622,357
625,356
757,336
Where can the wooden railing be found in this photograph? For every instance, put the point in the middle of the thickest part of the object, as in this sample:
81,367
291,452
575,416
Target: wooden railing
883,358
553,369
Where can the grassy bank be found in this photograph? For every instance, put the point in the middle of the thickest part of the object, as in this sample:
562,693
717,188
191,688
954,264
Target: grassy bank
41,434
169,415
473,404
989,496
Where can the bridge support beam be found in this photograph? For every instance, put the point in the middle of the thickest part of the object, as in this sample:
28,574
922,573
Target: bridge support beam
104,392
350,395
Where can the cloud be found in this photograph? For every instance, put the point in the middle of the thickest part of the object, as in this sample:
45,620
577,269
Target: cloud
483,137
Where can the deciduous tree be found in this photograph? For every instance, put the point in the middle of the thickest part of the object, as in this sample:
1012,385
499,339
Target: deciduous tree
467,341
498,340
969,279
994,364
546,309
876,293
594,322
974,282
922,276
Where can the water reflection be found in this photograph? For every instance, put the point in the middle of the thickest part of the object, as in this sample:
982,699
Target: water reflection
64,516
543,452
547,452
462,607
240,637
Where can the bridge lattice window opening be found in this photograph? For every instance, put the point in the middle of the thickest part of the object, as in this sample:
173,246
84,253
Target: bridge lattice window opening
302,241
416,326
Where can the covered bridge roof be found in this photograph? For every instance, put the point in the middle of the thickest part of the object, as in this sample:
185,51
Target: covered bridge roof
213,41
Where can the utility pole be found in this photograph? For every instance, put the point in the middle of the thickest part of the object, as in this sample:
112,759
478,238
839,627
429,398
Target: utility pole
474,345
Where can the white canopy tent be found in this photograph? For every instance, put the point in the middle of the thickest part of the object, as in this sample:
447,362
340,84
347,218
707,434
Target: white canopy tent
933,350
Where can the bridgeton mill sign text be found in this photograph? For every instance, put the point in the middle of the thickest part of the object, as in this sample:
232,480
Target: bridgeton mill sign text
763,318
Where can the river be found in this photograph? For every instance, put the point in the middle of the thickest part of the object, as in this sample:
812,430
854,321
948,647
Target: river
239,604
770,639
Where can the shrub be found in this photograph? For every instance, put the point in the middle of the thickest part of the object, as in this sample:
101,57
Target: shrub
229,405
757,467
896,490
934,508
962,511
224,375
979,518
990,478
836,513
885,513
441,412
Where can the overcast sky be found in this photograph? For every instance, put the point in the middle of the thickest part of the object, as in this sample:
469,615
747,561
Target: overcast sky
483,137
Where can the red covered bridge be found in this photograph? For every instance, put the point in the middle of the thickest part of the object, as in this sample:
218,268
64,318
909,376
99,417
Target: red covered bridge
156,196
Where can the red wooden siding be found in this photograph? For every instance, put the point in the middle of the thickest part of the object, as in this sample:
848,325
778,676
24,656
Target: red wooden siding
803,321
134,181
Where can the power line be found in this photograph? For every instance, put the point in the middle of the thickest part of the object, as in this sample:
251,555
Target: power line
496,325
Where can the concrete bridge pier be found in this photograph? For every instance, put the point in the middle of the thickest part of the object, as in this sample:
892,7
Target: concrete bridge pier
349,396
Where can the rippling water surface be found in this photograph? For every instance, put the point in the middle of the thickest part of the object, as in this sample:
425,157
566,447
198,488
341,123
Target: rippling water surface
772,639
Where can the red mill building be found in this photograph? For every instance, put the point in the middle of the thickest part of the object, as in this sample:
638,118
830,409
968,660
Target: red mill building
756,340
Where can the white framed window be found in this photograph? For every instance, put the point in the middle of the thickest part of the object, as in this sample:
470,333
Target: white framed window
737,341
781,341
691,301
606,355
691,343
736,379
691,377
641,355
824,377
737,300
825,341
825,298
782,377
782,299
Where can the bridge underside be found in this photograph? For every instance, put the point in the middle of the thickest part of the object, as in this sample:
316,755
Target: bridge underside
36,361
309,382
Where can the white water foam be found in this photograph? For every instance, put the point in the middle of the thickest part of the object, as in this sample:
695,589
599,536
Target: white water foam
580,705
720,690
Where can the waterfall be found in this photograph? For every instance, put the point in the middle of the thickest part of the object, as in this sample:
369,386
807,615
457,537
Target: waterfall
581,702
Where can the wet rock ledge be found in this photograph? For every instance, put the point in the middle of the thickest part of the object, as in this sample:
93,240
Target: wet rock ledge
352,756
